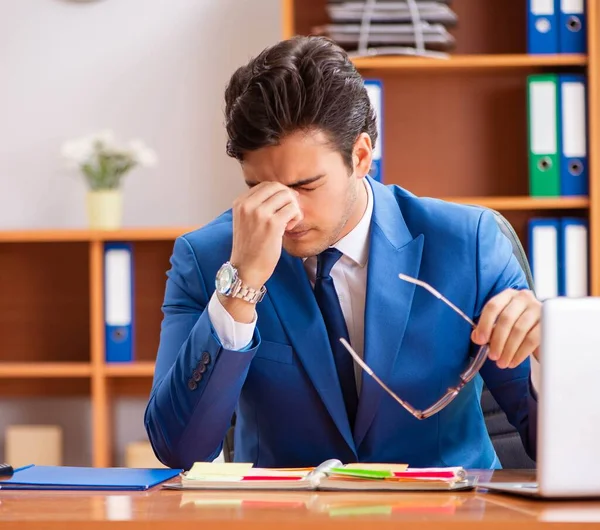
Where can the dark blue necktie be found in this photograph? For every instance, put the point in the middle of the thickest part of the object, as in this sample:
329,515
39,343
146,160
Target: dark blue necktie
331,310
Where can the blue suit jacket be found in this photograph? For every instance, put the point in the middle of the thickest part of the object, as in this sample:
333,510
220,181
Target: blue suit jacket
290,410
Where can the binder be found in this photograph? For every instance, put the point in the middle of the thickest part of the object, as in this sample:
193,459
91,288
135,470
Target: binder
375,91
573,137
543,135
118,302
542,27
572,27
86,478
543,256
573,262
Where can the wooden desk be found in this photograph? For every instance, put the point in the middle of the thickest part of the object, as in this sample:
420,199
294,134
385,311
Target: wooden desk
163,509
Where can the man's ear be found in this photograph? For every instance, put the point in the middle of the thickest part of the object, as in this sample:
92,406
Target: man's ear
362,155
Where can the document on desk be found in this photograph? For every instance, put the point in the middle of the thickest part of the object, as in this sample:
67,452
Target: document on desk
331,475
86,478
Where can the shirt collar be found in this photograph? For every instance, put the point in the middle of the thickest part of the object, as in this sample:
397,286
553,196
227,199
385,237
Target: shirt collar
355,244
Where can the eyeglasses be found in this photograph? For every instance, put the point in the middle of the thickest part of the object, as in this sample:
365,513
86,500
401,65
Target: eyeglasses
469,373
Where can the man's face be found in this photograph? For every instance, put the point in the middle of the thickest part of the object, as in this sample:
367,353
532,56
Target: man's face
331,197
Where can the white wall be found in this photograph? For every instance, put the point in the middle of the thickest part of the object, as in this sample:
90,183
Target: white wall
154,69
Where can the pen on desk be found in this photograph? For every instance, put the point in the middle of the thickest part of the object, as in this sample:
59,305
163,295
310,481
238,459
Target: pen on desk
24,467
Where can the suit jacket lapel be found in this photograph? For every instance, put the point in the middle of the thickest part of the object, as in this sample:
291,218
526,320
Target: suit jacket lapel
291,293
388,302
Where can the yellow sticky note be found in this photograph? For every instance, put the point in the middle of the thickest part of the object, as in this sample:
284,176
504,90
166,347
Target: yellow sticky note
227,469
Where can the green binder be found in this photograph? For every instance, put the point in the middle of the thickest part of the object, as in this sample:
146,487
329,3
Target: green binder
543,135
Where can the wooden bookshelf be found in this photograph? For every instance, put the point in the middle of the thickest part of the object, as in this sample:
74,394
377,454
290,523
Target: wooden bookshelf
138,369
468,62
52,318
456,128
88,236
524,203
45,369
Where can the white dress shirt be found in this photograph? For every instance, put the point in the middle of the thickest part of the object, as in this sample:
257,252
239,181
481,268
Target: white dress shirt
349,276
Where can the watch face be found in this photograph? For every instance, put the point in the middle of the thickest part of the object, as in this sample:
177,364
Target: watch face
225,279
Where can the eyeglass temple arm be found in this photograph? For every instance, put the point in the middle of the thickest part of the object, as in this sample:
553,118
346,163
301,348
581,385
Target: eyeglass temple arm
362,364
437,294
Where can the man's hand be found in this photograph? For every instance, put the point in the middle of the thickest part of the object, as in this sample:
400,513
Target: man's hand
510,324
260,218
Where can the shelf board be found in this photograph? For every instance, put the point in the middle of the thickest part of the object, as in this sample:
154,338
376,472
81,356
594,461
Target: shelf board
525,203
43,369
133,369
84,235
469,62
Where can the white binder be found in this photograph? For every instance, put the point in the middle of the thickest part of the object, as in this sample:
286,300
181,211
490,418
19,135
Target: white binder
574,257
543,256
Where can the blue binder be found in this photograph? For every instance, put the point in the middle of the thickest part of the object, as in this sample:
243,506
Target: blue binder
573,148
573,257
86,478
572,32
118,302
542,27
375,90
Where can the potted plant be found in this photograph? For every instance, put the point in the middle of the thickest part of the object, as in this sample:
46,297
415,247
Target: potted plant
104,164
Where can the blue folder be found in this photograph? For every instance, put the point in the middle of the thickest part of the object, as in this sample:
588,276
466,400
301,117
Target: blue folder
573,137
86,478
542,27
572,33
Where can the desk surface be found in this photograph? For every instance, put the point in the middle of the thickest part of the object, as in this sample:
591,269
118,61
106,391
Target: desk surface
158,509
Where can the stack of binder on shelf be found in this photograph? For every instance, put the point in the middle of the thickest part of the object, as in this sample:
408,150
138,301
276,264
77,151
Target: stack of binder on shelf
556,26
558,255
557,132
384,27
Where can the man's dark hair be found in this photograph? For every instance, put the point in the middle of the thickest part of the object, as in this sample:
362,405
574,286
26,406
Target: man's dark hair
303,83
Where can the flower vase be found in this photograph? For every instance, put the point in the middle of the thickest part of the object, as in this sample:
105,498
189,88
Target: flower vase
105,209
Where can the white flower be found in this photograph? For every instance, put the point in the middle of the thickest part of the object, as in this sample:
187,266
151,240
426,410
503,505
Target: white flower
102,161
141,154
105,138
78,152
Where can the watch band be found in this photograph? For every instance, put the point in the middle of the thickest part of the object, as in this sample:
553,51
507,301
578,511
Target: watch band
241,290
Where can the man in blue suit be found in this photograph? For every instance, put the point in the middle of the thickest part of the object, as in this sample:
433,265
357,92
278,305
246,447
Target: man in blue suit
257,301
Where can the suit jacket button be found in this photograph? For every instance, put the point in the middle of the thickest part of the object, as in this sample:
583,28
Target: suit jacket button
192,385
201,368
196,375
205,358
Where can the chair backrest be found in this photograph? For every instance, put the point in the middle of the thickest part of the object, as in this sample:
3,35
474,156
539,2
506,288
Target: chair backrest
228,442
504,436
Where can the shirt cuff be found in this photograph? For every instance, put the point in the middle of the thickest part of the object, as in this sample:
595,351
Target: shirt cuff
235,336
536,376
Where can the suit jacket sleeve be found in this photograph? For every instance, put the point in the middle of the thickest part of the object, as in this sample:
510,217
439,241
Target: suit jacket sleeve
497,270
197,382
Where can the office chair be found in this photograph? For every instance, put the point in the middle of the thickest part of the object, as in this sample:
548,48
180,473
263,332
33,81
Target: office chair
504,436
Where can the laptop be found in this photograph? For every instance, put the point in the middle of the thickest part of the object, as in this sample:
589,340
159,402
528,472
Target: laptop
568,437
